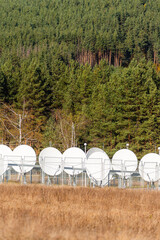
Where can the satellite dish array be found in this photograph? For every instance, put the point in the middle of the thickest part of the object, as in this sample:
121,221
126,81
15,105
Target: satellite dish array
74,161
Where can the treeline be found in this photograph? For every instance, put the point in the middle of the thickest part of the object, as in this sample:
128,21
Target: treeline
82,30
68,104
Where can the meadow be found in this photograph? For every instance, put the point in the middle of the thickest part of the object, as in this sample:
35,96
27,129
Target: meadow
52,212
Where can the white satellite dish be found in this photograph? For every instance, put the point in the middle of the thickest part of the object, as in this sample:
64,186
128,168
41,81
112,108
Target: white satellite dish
124,160
5,152
24,157
149,167
98,165
50,160
73,158
93,150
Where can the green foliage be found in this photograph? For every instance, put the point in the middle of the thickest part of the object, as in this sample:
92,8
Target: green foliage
70,29
3,87
136,105
87,64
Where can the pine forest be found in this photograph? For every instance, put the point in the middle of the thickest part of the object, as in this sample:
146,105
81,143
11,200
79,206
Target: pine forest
80,71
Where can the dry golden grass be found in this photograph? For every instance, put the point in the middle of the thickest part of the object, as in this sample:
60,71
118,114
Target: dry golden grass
42,212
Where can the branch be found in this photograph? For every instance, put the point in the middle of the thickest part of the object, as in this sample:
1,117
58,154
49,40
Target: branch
10,109
31,131
7,129
12,122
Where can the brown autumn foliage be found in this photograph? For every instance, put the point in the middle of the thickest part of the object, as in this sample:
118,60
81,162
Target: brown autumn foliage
49,212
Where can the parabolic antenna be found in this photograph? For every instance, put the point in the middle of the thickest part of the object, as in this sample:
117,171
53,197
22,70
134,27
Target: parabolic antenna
98,165
5,152
50,160
73,160
149,167
92,150
124,160
24,157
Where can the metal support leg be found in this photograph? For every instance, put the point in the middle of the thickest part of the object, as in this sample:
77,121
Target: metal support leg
74,180
0,179
43,177
119,182
24,178
130,182
124,183
31,176
85,179
49,180
7,176
62,177
57,180
114,182
109,179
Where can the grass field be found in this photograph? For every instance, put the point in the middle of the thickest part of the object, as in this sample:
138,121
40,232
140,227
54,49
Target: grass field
46,212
